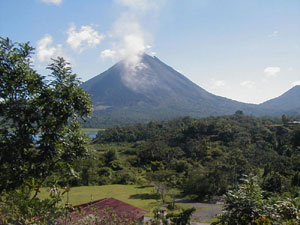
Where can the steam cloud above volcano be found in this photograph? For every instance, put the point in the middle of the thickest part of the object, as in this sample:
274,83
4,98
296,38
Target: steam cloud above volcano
131,40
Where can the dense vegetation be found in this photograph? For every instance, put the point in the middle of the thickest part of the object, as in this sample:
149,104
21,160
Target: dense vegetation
207,158
203,157
39,132
248,204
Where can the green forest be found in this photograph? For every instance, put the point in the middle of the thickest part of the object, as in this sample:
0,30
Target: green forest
203,158
217,151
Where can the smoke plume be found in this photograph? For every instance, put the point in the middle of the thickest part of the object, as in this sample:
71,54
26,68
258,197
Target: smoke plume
131,40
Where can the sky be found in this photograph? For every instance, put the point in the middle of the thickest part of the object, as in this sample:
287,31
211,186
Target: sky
246,50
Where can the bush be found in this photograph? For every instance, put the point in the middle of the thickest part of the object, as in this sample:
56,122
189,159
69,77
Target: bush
246,205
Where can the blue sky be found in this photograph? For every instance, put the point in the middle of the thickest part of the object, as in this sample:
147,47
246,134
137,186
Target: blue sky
247,50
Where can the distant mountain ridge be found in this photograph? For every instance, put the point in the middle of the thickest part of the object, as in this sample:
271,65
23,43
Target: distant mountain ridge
155,91
288,103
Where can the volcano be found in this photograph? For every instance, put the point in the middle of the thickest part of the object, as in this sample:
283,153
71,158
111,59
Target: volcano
153,90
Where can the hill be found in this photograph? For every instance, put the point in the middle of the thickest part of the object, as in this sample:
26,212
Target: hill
288,103
153,91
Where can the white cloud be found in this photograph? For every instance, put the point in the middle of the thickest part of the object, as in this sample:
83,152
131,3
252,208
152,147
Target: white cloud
44,49
152,53
274,33
248,83
218,83
296,83
108,53
290,69
55,2
139,5
85,38
130,42
133,48
271,71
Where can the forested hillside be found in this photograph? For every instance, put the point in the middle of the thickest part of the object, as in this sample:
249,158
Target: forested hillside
202,157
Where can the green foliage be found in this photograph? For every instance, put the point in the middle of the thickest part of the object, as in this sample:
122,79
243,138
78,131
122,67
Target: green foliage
22,206
39,132
246,205
110,156
108,164
205,184
208,156
274,182
284,119
296,138
38,117
181,218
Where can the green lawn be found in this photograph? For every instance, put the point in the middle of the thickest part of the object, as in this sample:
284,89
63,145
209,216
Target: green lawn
142,197
92,129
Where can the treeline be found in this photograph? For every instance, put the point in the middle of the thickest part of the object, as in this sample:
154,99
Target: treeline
202,157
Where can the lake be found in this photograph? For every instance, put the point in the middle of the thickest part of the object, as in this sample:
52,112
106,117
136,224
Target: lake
91,134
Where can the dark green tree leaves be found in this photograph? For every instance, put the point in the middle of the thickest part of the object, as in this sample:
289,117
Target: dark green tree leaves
39,132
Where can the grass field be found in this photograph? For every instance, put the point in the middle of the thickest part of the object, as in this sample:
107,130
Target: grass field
143,197
139,196
92,129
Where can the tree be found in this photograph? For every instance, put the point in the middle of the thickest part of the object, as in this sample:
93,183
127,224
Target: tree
296,138
284,119
239,113
39,131
110,156
273,183
183,218
244,205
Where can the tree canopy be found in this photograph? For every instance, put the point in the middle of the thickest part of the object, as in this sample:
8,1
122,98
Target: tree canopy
39,132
